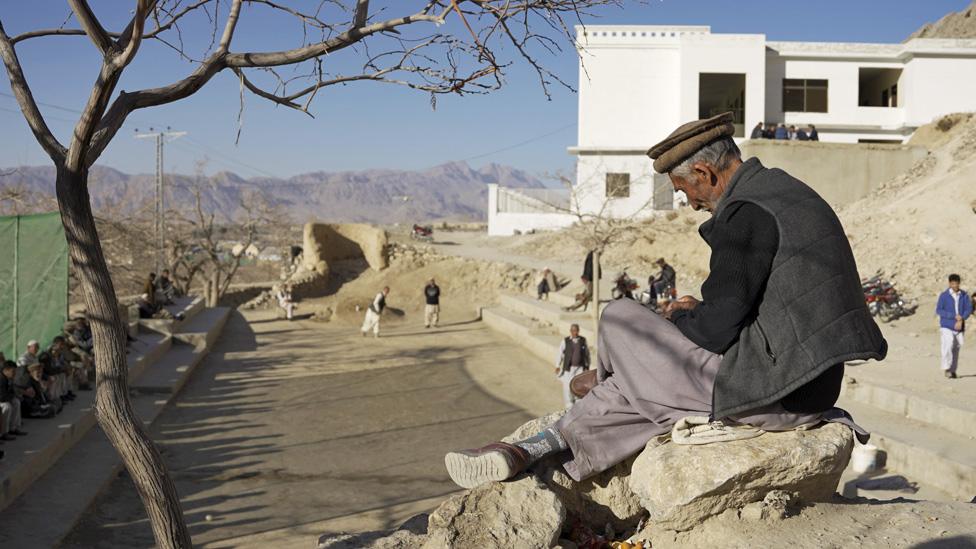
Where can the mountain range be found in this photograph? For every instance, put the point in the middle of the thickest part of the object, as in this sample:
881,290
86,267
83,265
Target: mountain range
453,191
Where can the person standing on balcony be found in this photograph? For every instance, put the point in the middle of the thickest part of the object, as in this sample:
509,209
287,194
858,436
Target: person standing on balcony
757,132
954,307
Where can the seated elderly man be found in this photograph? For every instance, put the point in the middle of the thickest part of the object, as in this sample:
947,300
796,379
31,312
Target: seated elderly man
781,311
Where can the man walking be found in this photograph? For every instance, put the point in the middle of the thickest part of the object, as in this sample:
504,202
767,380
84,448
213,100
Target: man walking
573,360
954,307
373,312
432,307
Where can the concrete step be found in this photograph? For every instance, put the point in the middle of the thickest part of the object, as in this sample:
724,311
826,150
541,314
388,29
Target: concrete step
27,458
58,499
202,330
541,341
169,373
921,451
549,313
188,306
921,407
64,488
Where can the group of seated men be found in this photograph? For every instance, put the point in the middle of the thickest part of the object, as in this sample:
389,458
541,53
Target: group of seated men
41,382
157,291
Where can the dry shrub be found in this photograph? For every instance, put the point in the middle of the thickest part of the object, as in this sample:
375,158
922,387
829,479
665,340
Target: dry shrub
946,123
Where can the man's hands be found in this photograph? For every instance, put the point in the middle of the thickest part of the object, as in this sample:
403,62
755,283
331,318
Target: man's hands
685,302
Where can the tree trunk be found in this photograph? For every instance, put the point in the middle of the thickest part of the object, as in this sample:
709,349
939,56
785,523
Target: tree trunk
214,286
595,302
113,409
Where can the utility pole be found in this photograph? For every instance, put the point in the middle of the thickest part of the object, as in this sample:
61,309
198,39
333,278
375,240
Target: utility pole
159,227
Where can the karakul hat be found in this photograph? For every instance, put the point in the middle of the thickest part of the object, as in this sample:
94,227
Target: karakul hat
688,139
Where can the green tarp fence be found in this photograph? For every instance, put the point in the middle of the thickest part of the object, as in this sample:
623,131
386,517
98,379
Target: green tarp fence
33,280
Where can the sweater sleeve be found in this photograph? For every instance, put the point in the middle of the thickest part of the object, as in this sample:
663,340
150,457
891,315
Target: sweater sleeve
743,247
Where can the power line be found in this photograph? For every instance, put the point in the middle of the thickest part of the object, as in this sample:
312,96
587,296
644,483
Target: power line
520,143
212,150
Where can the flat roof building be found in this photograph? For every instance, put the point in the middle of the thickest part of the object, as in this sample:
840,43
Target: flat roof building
639,82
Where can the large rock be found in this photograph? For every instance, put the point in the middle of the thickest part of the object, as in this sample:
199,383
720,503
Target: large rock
683,485
324,243
519,513
598,500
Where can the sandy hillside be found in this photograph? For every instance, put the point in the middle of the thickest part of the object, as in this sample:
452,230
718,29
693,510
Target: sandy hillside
464,284
960,24
918,227
673,236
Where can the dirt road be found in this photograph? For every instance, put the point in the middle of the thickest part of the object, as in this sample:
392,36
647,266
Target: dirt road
289,430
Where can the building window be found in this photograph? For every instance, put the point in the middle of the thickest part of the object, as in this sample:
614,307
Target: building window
878,87
800,95
618,185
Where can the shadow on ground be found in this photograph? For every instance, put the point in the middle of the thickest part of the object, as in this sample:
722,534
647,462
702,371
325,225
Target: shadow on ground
291,423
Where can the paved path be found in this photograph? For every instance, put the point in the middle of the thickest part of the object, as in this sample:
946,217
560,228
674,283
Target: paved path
291,429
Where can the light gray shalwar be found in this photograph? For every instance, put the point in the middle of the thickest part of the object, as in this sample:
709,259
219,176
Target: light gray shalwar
651,376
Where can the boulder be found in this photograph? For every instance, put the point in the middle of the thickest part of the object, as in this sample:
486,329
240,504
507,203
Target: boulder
518,513
682,485
598,500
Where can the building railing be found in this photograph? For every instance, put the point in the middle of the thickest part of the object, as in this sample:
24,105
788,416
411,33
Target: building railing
534,200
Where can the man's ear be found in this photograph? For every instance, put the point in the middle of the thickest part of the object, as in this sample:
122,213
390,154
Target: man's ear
704,174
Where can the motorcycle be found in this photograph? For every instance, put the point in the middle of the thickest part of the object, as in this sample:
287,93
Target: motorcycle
624,286
884,301
423,233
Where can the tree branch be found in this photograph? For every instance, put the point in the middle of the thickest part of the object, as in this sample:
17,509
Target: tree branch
132,36
235,12
348,38
22,91
92,27
362,14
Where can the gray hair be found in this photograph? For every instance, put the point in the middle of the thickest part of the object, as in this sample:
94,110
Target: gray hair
719,153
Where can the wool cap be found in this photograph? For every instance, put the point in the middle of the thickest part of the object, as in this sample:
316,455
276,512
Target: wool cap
688,139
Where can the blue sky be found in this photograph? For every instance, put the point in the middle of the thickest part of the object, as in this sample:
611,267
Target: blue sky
370,125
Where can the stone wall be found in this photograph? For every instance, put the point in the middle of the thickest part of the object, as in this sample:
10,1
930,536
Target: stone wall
326,242
840,172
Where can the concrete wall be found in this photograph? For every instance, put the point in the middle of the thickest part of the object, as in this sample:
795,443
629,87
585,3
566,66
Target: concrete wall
326,242
840,172
935,86
627,84
506,223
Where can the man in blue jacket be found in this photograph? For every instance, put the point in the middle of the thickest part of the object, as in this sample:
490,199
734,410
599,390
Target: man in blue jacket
954,307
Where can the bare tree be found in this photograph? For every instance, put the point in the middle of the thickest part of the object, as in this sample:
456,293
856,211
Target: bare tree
195,246
404,44
599,222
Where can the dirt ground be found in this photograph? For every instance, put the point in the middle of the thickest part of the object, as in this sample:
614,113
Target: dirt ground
288,430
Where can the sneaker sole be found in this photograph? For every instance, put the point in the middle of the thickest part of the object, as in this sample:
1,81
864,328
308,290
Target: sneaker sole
472,471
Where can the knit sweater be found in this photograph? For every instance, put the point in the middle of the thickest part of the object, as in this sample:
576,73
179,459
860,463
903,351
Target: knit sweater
740,265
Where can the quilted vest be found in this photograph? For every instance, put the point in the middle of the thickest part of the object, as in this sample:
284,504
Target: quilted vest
812,313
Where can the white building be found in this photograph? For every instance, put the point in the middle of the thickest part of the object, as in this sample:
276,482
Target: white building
638,83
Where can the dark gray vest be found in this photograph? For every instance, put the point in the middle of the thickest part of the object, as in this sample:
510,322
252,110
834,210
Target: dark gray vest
812,313
576,355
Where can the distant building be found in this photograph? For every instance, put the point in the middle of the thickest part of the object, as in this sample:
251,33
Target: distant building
637,83
249,251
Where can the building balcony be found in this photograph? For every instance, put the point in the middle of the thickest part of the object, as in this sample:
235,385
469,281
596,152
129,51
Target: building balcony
858,117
